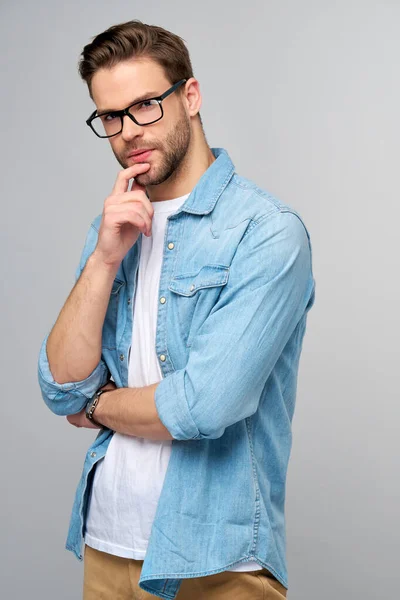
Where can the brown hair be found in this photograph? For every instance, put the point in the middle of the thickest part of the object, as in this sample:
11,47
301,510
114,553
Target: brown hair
135,39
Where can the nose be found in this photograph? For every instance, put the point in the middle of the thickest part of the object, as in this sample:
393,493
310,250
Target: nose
130,129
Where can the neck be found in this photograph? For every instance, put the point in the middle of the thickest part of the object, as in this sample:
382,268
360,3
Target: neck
196,161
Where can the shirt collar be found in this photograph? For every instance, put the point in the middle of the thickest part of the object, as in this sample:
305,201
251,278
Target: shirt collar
211,184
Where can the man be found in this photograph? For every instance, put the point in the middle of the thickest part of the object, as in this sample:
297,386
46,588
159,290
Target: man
180,342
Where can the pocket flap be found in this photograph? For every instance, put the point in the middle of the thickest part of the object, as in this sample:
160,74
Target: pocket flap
210,275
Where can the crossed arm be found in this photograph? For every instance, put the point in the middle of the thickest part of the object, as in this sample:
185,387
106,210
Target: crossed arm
131,411
233,353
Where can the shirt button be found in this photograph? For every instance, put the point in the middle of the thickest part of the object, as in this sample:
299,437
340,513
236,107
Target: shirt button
162,357
162,300
171,245
93,454
121,356
192,287
129,300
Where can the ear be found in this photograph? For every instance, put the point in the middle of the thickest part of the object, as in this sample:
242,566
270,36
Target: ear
192,96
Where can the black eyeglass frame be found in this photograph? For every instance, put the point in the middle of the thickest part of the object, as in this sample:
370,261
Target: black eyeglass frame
125,111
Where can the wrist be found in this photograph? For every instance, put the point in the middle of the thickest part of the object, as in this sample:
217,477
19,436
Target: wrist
92,407
99,262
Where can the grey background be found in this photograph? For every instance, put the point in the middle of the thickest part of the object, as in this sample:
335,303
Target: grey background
305,97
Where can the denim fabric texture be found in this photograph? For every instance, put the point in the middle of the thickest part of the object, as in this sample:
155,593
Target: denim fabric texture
238,282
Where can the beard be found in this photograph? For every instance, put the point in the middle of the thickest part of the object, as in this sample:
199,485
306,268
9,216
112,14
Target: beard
172,152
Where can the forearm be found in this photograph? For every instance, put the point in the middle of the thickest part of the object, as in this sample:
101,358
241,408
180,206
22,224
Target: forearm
132,411
74,343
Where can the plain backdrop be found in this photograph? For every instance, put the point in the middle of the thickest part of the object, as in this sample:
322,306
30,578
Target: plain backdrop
305,97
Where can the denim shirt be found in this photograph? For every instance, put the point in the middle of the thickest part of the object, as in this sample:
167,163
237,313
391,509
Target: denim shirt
235,287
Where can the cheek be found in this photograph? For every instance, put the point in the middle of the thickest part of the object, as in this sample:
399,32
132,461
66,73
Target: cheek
115,146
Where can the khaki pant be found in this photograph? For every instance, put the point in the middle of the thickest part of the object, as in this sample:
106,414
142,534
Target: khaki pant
109,577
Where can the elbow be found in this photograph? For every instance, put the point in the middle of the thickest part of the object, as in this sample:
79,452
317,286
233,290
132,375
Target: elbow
70,397
63,402
210,430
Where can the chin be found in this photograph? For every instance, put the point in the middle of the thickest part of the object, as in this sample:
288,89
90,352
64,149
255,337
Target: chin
144,179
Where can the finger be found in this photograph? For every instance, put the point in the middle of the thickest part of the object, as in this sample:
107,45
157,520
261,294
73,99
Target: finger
138,196
123,177
135,215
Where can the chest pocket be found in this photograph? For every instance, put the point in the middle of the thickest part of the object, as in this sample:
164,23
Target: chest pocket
109,333
193,296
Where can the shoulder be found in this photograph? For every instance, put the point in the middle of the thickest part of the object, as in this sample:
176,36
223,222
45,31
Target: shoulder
263,210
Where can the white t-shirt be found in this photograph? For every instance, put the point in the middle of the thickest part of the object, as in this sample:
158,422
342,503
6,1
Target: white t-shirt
128,480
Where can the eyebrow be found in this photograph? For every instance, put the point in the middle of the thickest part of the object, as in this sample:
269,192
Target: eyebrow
146,96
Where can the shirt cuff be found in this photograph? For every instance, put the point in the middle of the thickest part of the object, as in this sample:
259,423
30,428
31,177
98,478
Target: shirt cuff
66,395
172,407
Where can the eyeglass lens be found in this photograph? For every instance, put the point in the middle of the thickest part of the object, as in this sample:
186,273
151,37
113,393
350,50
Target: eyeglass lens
110,124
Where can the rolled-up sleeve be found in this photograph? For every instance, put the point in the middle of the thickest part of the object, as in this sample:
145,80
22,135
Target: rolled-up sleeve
269,289
70,397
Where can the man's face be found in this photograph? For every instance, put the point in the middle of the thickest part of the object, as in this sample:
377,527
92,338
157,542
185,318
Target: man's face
169,138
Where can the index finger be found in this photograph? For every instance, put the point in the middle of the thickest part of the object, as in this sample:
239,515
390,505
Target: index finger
122,181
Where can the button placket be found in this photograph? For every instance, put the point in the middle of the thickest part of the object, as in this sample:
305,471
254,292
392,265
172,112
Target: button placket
163,301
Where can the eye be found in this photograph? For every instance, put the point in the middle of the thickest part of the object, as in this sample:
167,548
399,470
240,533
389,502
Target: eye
108,117
146,104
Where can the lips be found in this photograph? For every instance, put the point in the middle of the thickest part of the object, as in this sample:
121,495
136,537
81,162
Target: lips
138,156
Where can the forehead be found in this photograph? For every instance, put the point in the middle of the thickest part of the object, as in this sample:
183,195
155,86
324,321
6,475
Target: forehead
126,81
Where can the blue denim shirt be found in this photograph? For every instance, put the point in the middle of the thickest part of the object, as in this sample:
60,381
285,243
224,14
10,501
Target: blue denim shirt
238,283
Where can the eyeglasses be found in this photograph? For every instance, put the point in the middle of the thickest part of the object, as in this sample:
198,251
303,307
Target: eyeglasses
144,112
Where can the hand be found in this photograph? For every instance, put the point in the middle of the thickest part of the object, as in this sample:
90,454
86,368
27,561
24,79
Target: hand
110,385
125,215
80,419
